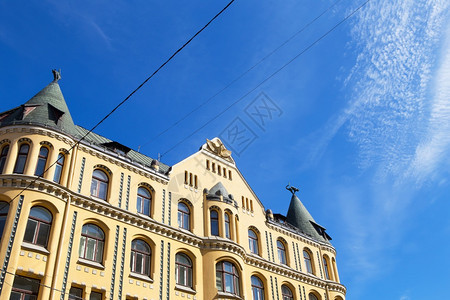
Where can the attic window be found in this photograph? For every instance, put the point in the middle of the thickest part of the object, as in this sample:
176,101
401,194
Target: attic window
54,114
321,231
117,147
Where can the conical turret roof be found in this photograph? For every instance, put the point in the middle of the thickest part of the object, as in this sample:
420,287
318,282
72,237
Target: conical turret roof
299,217
47,108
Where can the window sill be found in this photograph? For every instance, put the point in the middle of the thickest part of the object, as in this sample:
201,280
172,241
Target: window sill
228,295
34,247
90,263
141,277
185,289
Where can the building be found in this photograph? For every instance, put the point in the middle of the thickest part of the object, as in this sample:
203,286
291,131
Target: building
106,222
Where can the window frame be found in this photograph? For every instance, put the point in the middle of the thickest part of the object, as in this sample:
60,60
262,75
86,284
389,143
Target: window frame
98,183
96,246
4,210
257,290
37,227
23,292
214,222
59,167
307,258
235,276
23,158
227,221
3,157
75,297
186,269
146,257
253,242
141,199
184,216
284,295
41,163
282,253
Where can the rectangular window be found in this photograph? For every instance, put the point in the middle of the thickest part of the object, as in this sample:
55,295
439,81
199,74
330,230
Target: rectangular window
75,293
25,288
96,296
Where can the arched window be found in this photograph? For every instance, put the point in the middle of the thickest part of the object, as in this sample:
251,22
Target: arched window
281,252
253,242
3,155
59,168
257,288
326,268
99,184
21,159
92,243
183,270
308,261
42,161
227,226
184,216
286,293
38,226
227,278
214,222
311,296
4,208
140,257
144,201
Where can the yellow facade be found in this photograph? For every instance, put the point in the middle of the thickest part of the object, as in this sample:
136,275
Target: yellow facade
214,247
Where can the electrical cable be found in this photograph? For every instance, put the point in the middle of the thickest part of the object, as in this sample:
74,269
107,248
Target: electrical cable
267,78
241,75
126,98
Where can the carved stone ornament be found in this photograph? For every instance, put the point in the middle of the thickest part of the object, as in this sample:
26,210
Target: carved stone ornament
217,147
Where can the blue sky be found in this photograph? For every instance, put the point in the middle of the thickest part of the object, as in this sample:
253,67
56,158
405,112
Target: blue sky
361,122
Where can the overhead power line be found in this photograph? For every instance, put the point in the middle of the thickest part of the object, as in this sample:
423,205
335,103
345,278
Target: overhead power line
241,75
127,97
267,78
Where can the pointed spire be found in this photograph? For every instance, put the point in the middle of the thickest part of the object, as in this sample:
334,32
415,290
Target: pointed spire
299,217
47,108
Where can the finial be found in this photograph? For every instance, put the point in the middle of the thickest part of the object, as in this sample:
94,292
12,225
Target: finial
292,189
56,75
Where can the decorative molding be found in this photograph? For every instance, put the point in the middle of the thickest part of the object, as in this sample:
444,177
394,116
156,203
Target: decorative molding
65,151
300,237
10,242
121,189
26,140
276,289
46,144
80,180
69,254
161,264
168,272
122,262
113,276
5,141
267,244
163,210
145,184
295,256
127,197
134,167
169,216
104,168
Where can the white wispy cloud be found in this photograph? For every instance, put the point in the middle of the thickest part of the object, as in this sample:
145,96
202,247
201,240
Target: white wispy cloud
389,115
398,115
390,81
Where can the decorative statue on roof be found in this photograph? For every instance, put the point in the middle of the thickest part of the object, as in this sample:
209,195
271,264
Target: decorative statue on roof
292,189
217,147
56,75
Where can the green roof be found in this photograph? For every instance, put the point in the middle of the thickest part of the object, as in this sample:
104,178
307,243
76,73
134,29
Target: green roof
299,217
48,108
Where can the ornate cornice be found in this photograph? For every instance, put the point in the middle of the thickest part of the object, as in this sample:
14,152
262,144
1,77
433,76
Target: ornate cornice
150,225
299,236
87,148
